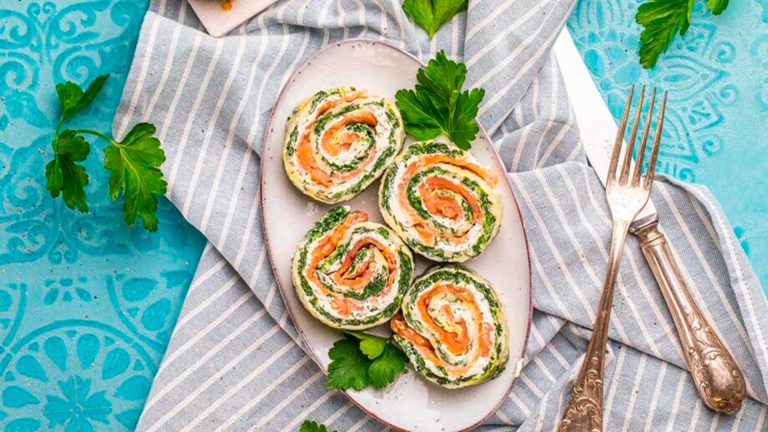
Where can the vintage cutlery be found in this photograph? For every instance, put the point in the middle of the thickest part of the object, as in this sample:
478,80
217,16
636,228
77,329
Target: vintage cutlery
717,377
627,190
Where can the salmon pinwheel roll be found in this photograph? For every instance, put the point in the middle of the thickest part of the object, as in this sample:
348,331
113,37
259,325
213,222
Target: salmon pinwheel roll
350,273
339,141
441,201
452,328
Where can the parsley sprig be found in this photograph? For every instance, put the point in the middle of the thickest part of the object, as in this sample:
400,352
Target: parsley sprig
437,106
65,175
313,426
361,360
662,21
133,163
432,14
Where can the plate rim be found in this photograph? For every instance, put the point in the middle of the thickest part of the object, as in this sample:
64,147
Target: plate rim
263,217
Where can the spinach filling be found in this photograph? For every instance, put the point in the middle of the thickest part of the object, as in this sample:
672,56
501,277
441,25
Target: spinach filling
496,363
366,137
368,177
389,186
322,227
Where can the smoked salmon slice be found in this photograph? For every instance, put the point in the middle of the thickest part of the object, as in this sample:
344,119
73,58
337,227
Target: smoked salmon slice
351,273
340,140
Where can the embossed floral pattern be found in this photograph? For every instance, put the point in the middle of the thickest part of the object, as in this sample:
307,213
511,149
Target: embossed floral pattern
44,43
79,342
717,78
697,87
144,305
66,289
112,379
77,409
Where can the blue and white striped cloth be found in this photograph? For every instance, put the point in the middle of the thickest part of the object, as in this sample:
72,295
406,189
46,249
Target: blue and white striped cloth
233,362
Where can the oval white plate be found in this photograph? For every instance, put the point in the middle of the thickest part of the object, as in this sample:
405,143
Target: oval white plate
411,403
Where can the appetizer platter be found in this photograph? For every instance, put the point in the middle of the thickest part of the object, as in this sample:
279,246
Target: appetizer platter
413,249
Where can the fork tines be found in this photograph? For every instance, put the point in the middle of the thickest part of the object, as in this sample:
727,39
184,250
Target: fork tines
623,177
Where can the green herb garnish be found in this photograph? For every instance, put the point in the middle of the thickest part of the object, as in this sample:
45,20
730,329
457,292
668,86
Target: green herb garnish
64,175
662,20
73,99
134,163
438,106
432,14
313,426
361,359
717,6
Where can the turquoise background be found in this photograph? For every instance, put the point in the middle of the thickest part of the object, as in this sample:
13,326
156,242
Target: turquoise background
716,127
87,304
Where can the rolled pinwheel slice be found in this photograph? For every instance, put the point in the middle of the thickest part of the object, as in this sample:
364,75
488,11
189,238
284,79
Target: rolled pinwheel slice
452,328
441,201
339,141
349,273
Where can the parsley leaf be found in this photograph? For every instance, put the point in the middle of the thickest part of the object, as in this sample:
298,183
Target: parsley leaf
313,426
72,98
432,14
64,175
662,21
438,106
386,367
349,366
134,163
134,166
361,359
372,346
717,6
441,78
464,127
421,117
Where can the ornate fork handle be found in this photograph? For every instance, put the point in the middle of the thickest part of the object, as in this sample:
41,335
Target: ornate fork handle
718,378
626,195
585,410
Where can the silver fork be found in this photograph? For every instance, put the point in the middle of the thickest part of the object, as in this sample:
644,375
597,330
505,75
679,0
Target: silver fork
627,190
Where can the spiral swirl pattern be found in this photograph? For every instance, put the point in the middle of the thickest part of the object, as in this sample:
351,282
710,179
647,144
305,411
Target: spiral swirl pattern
339,141
452,328
349,273
441,201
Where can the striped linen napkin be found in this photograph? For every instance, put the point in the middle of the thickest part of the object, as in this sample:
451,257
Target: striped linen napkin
233,362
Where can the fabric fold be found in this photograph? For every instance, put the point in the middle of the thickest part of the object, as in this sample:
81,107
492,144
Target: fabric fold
233,362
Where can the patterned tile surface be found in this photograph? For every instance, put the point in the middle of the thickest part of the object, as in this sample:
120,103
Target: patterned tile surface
86,304
717,124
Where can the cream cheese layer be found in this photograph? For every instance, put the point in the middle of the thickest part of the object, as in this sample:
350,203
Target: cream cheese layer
340,140
452,328
350,273
441,201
